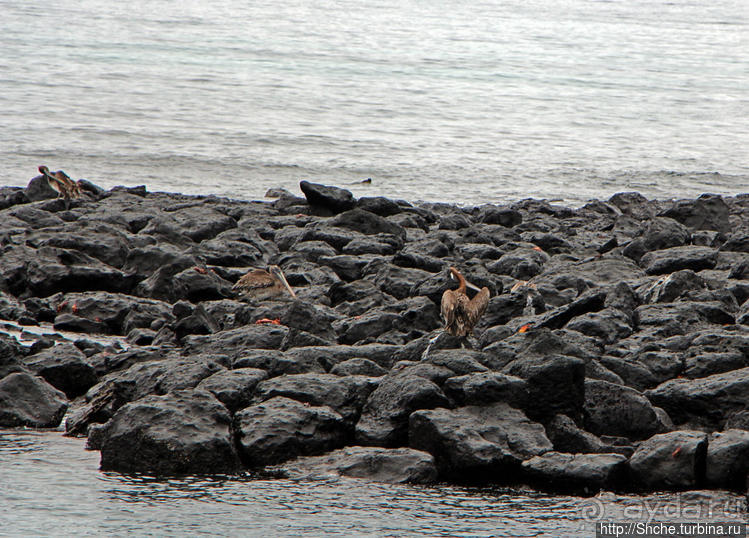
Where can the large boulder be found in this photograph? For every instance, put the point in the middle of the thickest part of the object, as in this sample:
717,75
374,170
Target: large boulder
334,199
567,437
186,431
728,459
368,223
346,395
280,429
234,388
329,356
673,259
195,221
151,377
11,356
27,400
706,401
617,410
277,363
522,263
113,313
299,314
64,367
555,384
673,460
384,419
708,212
40,189
48,270
674,286
234,342
399,281
659,233
608,325
609,269
365,327
483,388
669,319
377,464
586,473
102,241
477,442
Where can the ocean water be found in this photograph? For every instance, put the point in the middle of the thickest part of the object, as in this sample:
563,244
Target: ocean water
466,101
51,486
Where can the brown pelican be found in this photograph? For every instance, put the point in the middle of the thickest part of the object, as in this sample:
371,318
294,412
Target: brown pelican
459,312
262,285
61,182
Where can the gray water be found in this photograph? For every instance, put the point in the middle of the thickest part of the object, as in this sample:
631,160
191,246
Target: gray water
466,101
51,486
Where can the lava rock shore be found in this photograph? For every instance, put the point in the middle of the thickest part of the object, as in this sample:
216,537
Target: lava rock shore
614,352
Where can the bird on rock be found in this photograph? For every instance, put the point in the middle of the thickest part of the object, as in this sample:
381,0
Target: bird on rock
262,285
61,182
458,311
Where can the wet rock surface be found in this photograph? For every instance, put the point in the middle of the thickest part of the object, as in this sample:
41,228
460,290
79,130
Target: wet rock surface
26,400
392,465
577,472
185,431
477,442
614,352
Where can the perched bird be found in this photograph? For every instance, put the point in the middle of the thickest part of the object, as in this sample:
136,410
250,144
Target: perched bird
458,311
61,182
261,285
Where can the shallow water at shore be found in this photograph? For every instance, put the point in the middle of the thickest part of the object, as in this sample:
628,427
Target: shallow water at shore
52,486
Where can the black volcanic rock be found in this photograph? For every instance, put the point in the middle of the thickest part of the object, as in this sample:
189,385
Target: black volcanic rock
367,223
65,368
673,460
490,214
708,212
281,429
27,400
333,199
728,459
358,366
632,321
555,384
234,388
577,472
483,388
677,258
567,437
390,465
345,395
379,205
40,189
11,356
184,432
708,401
384,419
611,409
659,233
477,442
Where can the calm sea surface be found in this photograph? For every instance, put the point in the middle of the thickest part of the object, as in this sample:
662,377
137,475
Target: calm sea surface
51,486
467,101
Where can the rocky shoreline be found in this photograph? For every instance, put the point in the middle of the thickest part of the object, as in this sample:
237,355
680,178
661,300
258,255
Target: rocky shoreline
614,353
